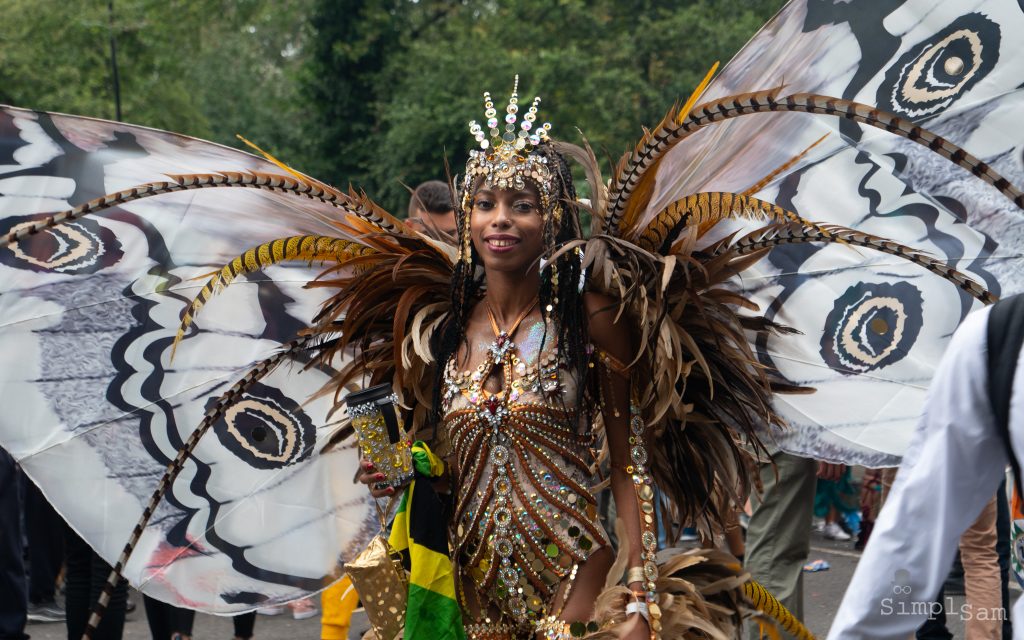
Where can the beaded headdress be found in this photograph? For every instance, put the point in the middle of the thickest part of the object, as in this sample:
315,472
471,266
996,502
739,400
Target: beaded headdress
506,161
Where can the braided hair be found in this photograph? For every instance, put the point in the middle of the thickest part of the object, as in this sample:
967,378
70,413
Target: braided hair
561,302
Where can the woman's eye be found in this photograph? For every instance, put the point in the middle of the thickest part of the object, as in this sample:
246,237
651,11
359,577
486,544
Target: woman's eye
483,204
524,206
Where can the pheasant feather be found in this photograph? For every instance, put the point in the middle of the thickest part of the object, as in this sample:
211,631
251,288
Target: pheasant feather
295,248
632,172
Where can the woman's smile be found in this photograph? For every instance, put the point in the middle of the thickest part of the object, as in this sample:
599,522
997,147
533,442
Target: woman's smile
500,242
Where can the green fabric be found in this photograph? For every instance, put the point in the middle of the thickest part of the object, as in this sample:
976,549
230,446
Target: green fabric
438,617
418,530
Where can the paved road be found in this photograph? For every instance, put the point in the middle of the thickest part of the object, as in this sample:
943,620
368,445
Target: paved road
824,590
822,594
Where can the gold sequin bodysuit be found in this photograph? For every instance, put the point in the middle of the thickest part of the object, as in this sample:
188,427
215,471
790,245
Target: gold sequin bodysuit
524,517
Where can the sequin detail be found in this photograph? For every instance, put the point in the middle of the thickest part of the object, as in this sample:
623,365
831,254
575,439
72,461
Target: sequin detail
524,517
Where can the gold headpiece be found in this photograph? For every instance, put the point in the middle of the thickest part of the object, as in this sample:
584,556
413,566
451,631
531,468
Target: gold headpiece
505,161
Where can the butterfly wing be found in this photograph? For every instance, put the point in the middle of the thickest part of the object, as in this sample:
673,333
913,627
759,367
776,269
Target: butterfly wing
98,410
873,328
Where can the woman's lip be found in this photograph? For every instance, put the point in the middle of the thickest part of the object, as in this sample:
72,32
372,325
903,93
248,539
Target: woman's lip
491,240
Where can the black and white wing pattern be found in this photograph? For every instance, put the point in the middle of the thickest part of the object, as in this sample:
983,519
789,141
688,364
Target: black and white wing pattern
874,327
95,408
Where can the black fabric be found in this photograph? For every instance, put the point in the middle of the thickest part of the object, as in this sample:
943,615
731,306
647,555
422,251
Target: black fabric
161,617
1003,550
1005,337
85,577
45,535
934,628
244,624
165,620
426,527
13,582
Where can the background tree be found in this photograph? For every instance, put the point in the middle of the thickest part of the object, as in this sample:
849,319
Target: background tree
369,93
208,69
605,67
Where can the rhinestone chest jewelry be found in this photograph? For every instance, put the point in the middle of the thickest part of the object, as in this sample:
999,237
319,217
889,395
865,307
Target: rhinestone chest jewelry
523,516
492,410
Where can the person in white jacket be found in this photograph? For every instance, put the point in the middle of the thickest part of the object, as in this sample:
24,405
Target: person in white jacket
953,467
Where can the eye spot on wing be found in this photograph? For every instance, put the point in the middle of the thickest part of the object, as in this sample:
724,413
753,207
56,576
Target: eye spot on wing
934,73
266,429
79,247
871,326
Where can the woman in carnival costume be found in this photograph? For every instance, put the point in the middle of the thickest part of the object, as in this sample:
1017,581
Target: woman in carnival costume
529,357
533,375
549,351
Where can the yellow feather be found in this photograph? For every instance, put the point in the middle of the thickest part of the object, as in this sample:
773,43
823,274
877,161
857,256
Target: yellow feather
697,93
760,184
769,606
644,188
299,176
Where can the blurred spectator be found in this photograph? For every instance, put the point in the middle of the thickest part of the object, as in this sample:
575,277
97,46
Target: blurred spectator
779,531
338,602
84,579
870,504
954,464
13,583
301,609
431,207
45,530
835,500
167,622
981,582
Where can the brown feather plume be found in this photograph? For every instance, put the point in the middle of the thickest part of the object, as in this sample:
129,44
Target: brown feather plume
387,304
705,210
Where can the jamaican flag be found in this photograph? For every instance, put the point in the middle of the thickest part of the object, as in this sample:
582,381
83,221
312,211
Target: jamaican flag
419,532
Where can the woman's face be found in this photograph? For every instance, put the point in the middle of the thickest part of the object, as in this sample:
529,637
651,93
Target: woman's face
507,228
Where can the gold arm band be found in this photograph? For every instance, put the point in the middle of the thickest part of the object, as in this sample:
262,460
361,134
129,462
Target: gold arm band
635,574
612,363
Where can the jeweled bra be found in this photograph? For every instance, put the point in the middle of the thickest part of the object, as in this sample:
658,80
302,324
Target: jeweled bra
524,517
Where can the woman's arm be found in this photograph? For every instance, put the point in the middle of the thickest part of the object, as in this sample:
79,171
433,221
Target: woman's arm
627,450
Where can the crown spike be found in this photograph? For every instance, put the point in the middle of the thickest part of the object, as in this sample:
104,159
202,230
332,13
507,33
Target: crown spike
505,161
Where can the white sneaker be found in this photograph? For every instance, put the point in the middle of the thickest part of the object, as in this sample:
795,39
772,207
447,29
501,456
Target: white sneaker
270,611
817,524
303,609
833,531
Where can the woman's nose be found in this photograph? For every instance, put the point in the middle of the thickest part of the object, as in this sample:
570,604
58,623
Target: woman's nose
502,216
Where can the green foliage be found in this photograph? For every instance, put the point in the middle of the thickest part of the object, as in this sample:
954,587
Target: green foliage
209,69
604,67
371,93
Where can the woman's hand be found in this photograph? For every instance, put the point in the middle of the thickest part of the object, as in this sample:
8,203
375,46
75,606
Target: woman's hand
369,476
